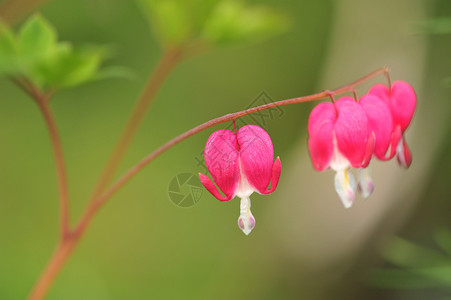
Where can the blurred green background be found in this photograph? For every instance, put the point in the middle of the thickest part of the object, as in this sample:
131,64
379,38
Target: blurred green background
305,244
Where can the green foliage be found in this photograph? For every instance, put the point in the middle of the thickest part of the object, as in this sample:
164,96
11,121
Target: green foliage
35,53
232,21
36,38
8,51
212,21
417,267
436,26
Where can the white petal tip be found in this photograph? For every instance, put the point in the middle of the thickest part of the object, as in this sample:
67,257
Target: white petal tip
246,223
366,185
345,187
367,191
347,200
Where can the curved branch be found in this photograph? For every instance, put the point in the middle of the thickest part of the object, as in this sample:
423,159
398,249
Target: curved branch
43,102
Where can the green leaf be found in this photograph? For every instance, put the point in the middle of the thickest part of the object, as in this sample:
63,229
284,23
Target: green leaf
50,65
401,279
37,38
68,68
8,51
435,26
403,253
115,72
442,236
232,22
170,19
441,275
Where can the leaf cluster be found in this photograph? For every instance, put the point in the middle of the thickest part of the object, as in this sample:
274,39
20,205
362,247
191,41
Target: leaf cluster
216,22
34,53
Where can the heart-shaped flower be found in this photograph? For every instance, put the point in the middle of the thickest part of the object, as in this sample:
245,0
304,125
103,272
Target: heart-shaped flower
241,163
380,124
339,139
401,100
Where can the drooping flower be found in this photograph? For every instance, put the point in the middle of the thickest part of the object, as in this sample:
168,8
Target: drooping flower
339,139
380,123
401,100
241,163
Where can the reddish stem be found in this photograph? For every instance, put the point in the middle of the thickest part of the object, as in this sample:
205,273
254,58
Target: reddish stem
43,101
54,265
168,61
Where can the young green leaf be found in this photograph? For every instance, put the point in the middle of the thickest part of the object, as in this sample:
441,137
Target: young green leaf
233,22
37,38
8,51
170,19
68,68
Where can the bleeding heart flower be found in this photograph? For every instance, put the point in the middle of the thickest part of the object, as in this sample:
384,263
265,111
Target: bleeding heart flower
401,100
241,163
380,123
339,139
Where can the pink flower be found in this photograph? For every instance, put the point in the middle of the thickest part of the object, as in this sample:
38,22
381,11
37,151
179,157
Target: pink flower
241,164
380,123
339,139
401,100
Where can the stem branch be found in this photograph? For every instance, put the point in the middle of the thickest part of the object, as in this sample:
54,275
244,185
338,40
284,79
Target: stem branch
43,102
168,61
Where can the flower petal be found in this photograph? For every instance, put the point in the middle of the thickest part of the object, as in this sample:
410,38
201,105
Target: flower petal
221,157
404,102
401,100
345,187
256,156
276,170
380,121
210,186
365,185
246,221
351,131
403,154
320,128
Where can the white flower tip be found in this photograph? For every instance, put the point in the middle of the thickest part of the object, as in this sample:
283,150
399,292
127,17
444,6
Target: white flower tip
246,223
347,200
366,185
366,189
345,187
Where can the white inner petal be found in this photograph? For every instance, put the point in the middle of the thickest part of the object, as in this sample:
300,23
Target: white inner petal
244,189
338,161
345,187
366,185
246,221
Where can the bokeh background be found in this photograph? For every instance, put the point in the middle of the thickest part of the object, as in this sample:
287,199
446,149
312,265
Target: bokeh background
305,244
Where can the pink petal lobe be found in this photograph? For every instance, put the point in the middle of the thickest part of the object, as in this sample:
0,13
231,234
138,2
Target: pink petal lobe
403,103
351,130
276,170
404,155
401,100
380,122
381,91
321,128
394,141
221,157
256,155
369,150
210,186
